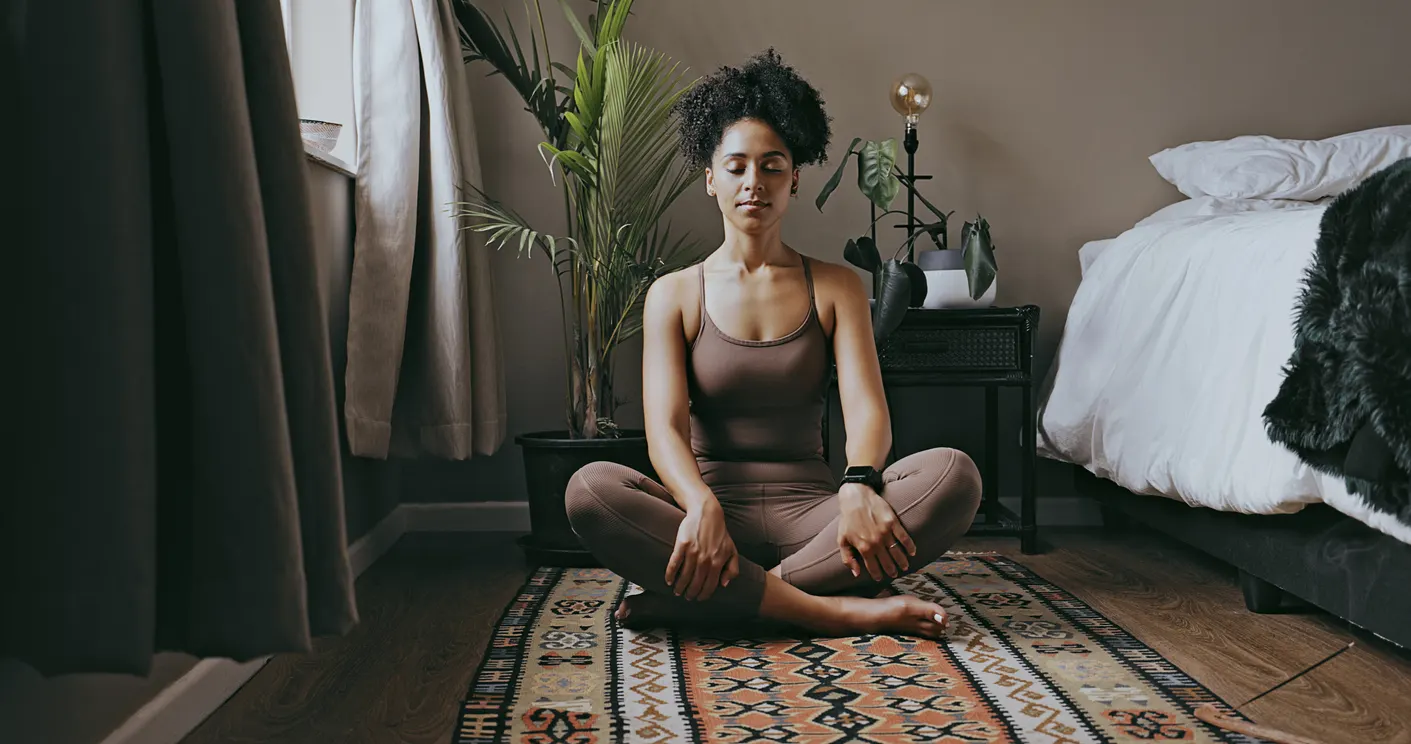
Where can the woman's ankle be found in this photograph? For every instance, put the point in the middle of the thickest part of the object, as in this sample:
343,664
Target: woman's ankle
784,602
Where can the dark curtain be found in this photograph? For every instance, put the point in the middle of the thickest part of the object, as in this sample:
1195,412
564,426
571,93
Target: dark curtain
179,482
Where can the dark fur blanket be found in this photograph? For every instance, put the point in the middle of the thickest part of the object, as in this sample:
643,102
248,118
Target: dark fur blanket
1344,406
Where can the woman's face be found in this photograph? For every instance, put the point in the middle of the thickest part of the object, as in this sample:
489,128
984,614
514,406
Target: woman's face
752,176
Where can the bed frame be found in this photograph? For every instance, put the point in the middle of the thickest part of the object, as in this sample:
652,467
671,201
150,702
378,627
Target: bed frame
1318,555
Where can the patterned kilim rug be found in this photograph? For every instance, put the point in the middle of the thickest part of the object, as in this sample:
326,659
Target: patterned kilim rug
1024,661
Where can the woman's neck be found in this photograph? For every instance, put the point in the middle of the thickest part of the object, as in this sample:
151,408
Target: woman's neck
755,250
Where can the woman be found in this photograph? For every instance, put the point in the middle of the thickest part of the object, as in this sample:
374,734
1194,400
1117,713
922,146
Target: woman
748,520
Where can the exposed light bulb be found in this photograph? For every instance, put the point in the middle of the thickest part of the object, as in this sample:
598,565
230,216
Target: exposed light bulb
910,95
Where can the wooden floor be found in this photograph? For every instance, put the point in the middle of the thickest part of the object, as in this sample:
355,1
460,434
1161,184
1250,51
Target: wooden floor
428,606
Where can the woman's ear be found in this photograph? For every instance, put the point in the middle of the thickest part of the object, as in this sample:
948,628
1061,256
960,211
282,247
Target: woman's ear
795,188
710,182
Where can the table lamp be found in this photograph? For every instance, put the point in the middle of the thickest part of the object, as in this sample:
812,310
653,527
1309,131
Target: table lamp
911,96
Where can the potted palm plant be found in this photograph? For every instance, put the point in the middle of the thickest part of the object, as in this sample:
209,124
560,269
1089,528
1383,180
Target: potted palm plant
611,146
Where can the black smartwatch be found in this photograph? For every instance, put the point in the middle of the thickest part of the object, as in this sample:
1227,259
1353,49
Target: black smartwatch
864,474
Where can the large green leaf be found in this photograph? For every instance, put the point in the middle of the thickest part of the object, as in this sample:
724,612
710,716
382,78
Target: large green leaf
892,300
875,162
979,256
919,287
862,253
837,175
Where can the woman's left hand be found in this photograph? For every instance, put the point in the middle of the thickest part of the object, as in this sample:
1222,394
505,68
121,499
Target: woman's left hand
868,525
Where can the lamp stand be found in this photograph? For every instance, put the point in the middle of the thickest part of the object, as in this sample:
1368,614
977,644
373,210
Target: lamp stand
911,143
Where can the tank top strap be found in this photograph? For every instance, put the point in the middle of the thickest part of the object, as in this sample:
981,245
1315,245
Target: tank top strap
705,318
808,279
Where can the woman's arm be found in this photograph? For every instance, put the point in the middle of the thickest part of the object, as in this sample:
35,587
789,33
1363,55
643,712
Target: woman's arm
704,556
870,536
866,420
665,400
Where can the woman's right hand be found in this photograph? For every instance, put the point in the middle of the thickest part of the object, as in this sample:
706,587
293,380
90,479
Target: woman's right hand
704,557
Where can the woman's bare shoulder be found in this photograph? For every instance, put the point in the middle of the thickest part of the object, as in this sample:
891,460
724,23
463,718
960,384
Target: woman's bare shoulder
666,289
839,282
673,295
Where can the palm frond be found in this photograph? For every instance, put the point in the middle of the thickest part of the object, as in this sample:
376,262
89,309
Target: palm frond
481,39
481,214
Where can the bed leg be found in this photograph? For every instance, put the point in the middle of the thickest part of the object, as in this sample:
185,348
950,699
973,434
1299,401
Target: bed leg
1259,595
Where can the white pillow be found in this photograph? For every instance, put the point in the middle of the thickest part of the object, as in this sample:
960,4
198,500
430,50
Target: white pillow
1257,166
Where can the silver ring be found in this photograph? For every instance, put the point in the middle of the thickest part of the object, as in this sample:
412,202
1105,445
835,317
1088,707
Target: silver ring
893,545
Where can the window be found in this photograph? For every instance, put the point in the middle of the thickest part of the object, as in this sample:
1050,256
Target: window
320,38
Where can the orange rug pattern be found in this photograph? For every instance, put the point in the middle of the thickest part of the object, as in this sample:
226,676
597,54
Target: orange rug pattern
1024,661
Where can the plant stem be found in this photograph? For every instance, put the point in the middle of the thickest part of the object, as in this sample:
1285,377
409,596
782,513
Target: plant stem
563,313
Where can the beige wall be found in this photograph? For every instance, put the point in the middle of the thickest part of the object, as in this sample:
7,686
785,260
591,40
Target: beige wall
1044,116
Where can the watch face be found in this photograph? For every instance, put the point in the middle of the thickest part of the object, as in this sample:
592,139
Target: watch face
860,472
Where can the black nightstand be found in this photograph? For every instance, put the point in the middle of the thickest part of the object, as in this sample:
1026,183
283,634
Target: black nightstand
986,347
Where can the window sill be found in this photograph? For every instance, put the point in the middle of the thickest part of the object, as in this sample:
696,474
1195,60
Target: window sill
328,161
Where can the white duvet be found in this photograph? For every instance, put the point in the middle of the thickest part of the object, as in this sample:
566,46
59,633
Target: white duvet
1175,341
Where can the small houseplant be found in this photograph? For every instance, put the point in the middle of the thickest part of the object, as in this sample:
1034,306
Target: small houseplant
899,284
611,147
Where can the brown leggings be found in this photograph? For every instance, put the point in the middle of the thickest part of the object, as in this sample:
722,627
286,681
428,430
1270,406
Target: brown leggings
629,522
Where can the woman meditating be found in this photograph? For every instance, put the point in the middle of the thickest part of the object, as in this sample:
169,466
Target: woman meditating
748,521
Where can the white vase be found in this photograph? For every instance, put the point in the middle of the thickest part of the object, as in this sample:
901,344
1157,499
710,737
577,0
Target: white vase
947,286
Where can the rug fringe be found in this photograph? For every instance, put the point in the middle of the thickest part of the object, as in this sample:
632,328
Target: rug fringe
973,552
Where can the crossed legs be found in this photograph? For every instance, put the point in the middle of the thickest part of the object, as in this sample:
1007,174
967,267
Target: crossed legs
629,522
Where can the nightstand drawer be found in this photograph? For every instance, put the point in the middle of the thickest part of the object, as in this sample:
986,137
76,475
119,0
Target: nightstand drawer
930,348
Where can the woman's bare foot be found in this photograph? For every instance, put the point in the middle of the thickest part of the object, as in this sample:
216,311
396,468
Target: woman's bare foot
645,610
653,610
903,614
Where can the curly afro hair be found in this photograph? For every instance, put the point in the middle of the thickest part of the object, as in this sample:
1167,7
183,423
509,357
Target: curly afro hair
765,89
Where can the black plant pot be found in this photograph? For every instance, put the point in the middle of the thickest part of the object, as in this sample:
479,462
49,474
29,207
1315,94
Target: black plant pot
550,460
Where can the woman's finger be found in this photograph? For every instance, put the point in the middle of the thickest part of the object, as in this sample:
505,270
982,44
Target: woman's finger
673,564
699,581
869,559
731,570
709,583
850,560
845,553
885,562
686,575
897,552
899,534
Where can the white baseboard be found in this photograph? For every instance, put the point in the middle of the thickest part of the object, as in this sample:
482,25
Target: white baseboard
179,708
367,549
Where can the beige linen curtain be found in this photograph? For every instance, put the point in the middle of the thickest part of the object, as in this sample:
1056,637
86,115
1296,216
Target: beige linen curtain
425,371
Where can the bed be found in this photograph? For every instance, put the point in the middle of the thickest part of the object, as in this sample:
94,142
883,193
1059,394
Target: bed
1177,339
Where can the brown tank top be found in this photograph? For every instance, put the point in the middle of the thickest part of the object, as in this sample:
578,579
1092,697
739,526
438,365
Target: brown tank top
759,401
